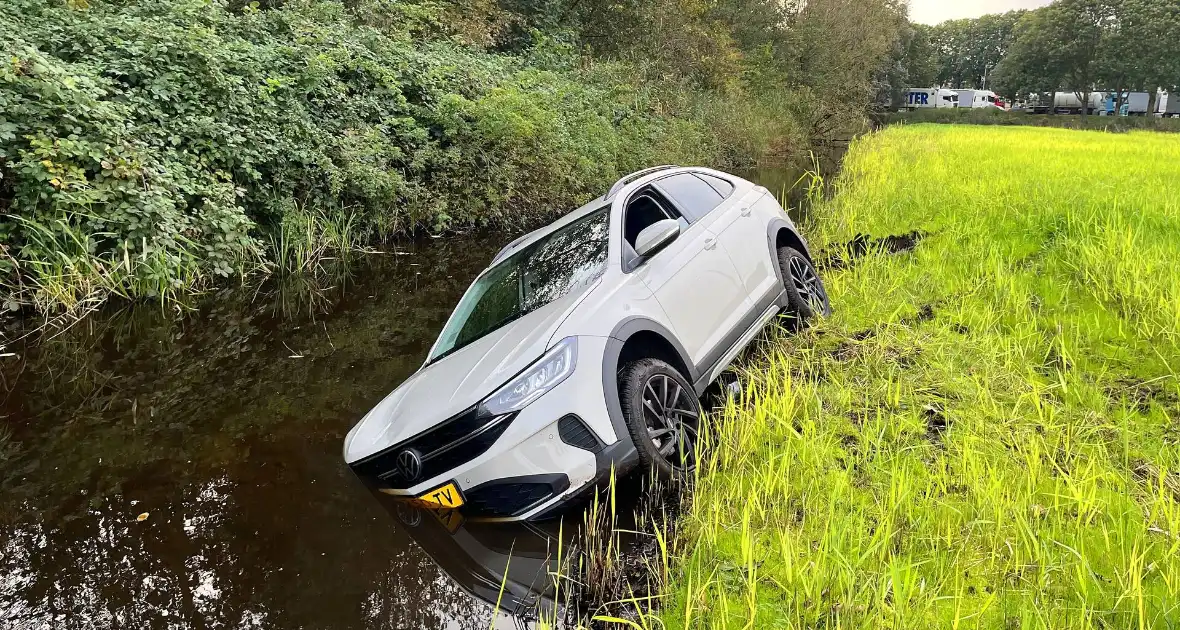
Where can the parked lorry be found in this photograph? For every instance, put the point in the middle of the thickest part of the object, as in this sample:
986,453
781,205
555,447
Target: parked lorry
1136,103
929,98
1167,105
1071,103
978,99
1099,102
1130,104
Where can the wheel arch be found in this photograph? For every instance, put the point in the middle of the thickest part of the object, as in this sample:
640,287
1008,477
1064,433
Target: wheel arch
641,338
635,337
780,233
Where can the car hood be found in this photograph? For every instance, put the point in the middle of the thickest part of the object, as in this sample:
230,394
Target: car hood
443,389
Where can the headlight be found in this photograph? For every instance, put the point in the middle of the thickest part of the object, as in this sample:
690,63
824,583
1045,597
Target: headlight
548,372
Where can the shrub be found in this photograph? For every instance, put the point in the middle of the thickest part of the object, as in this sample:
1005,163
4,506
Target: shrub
166,141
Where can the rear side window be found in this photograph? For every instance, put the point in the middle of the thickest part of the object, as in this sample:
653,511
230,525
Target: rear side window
722,187
692,195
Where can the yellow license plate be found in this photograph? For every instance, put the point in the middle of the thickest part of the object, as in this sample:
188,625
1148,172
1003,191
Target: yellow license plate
447,496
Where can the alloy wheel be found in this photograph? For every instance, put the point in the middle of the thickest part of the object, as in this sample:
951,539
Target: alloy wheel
809,286
671,414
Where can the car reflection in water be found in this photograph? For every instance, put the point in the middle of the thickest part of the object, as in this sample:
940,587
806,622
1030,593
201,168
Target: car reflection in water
515,564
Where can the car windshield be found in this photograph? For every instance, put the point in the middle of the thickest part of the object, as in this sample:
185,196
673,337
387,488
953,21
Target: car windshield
542,272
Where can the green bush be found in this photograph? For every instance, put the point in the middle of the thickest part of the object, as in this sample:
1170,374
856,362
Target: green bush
148,147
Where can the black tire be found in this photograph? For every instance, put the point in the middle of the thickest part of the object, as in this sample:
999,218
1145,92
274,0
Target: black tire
806,296
647,387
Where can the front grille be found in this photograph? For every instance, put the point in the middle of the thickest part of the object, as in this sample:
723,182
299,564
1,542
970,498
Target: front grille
452,443
575,433
514,496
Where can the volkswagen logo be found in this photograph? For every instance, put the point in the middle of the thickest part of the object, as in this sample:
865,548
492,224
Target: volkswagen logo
409,464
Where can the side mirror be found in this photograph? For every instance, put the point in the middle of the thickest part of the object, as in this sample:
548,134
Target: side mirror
656,236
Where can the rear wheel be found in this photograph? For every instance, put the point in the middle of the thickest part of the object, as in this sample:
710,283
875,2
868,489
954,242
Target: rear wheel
663,415
806,296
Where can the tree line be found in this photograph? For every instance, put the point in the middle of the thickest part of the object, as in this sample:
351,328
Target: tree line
1070,45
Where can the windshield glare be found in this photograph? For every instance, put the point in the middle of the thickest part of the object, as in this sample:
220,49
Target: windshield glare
573,256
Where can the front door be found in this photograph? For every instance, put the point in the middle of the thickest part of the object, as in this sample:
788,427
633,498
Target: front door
695,282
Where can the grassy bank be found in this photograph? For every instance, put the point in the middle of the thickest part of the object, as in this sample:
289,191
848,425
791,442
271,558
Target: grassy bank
998,117
987,432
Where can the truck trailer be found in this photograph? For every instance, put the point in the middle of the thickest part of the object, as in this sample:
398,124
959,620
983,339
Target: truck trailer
1070,103
930,98
1167,105
978,99
1136,103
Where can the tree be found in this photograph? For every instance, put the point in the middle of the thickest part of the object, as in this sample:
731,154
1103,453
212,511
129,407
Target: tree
1142,51
1063,44
1026,68
843,49
920,63
965,51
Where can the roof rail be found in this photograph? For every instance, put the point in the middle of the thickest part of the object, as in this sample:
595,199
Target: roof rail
627,179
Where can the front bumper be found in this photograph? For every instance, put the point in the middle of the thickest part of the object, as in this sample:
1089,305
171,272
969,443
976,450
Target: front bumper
523,464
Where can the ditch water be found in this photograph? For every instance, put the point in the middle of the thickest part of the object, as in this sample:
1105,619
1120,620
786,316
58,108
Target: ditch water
183,470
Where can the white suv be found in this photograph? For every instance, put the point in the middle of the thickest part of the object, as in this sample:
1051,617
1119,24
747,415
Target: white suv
584,347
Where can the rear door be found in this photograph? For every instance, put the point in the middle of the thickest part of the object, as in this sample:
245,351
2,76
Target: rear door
736,221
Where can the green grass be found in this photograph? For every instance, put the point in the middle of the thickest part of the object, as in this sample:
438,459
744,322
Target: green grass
1018,118
987,432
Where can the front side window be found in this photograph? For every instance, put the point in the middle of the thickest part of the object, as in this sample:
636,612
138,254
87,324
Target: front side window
644,211
542,272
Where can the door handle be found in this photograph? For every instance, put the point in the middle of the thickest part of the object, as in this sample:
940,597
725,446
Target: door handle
746,211
710,242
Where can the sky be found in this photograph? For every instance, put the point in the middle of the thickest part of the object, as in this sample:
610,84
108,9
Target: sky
935,11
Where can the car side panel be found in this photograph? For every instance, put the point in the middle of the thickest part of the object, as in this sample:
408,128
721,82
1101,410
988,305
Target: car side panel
743,237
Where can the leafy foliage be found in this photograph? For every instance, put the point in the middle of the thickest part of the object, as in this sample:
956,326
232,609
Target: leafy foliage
1083,45
1073,45
965,51
147,148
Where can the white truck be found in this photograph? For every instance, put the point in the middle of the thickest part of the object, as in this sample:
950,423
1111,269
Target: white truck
930,98
1167,105
978,99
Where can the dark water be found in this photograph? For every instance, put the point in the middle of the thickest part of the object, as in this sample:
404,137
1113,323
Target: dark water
224,427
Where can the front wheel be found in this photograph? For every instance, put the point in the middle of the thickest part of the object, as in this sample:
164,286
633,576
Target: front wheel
806,296
663,415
